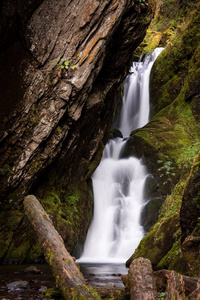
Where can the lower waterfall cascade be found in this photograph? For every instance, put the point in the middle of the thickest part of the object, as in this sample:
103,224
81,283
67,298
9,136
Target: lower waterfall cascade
118,184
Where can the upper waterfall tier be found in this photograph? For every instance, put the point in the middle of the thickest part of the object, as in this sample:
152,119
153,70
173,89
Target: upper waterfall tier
135,110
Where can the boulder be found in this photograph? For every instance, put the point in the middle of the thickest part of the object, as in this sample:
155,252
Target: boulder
32,269
17,285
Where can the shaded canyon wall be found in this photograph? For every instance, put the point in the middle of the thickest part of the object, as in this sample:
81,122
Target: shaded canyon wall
54,124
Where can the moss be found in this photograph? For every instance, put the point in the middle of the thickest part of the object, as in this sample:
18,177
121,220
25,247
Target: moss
168,16
35,253
167,80
18,252
9,224
49,256
53,293
165,233
174,260
158,241
70,211
5,240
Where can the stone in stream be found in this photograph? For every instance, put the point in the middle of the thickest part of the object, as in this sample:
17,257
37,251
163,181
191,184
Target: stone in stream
17,285
33,270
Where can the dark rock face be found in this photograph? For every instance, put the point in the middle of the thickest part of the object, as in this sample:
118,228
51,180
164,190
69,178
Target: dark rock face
190,209
55,128
189,219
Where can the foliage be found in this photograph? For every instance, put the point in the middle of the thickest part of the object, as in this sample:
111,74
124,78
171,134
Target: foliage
167,169
66,64
72,201
142,2
161,296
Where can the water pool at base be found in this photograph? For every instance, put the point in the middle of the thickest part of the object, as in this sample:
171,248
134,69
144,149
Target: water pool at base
101,274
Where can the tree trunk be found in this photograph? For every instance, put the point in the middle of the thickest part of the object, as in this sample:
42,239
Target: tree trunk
69,279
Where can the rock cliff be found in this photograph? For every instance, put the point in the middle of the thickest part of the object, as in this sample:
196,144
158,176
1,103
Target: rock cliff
56,117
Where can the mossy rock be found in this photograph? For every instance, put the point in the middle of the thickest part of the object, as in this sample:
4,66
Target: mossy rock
182,67
150,213
165,232
190,209
71,213
174,259
115,133
190,219
53,293
158,241
169,143
168,17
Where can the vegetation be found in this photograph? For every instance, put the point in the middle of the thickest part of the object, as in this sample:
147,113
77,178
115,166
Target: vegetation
66,64
170,142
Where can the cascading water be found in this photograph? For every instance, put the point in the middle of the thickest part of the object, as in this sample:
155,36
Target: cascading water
118,184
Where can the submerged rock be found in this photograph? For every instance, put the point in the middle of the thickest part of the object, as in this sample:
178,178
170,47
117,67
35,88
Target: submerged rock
32,269
17,285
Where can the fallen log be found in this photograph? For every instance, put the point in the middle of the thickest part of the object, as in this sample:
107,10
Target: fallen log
140,280
68,278
162,277
175,287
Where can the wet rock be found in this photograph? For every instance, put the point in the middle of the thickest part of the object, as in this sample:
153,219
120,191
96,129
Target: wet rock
110,285
33,270
17,285
42,288
150,213
115,133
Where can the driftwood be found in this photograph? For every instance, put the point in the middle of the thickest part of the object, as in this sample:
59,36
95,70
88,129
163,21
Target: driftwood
68,278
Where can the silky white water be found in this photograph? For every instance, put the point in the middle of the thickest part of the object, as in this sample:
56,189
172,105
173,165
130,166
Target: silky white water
118,184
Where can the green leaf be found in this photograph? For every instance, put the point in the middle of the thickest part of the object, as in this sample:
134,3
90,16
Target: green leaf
62,59
159,161
62,67
73,67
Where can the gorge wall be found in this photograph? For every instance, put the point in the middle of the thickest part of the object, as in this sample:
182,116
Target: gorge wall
169,145
54,126
55,122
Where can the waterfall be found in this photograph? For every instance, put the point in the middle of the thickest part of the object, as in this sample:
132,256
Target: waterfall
118,184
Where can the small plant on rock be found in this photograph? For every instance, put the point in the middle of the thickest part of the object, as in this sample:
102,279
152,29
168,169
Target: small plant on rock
66,69
167,170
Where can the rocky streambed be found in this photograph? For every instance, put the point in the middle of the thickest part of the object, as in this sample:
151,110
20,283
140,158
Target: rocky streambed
28,282
25,281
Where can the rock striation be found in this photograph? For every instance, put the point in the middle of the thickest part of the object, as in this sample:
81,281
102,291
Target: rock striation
55,125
